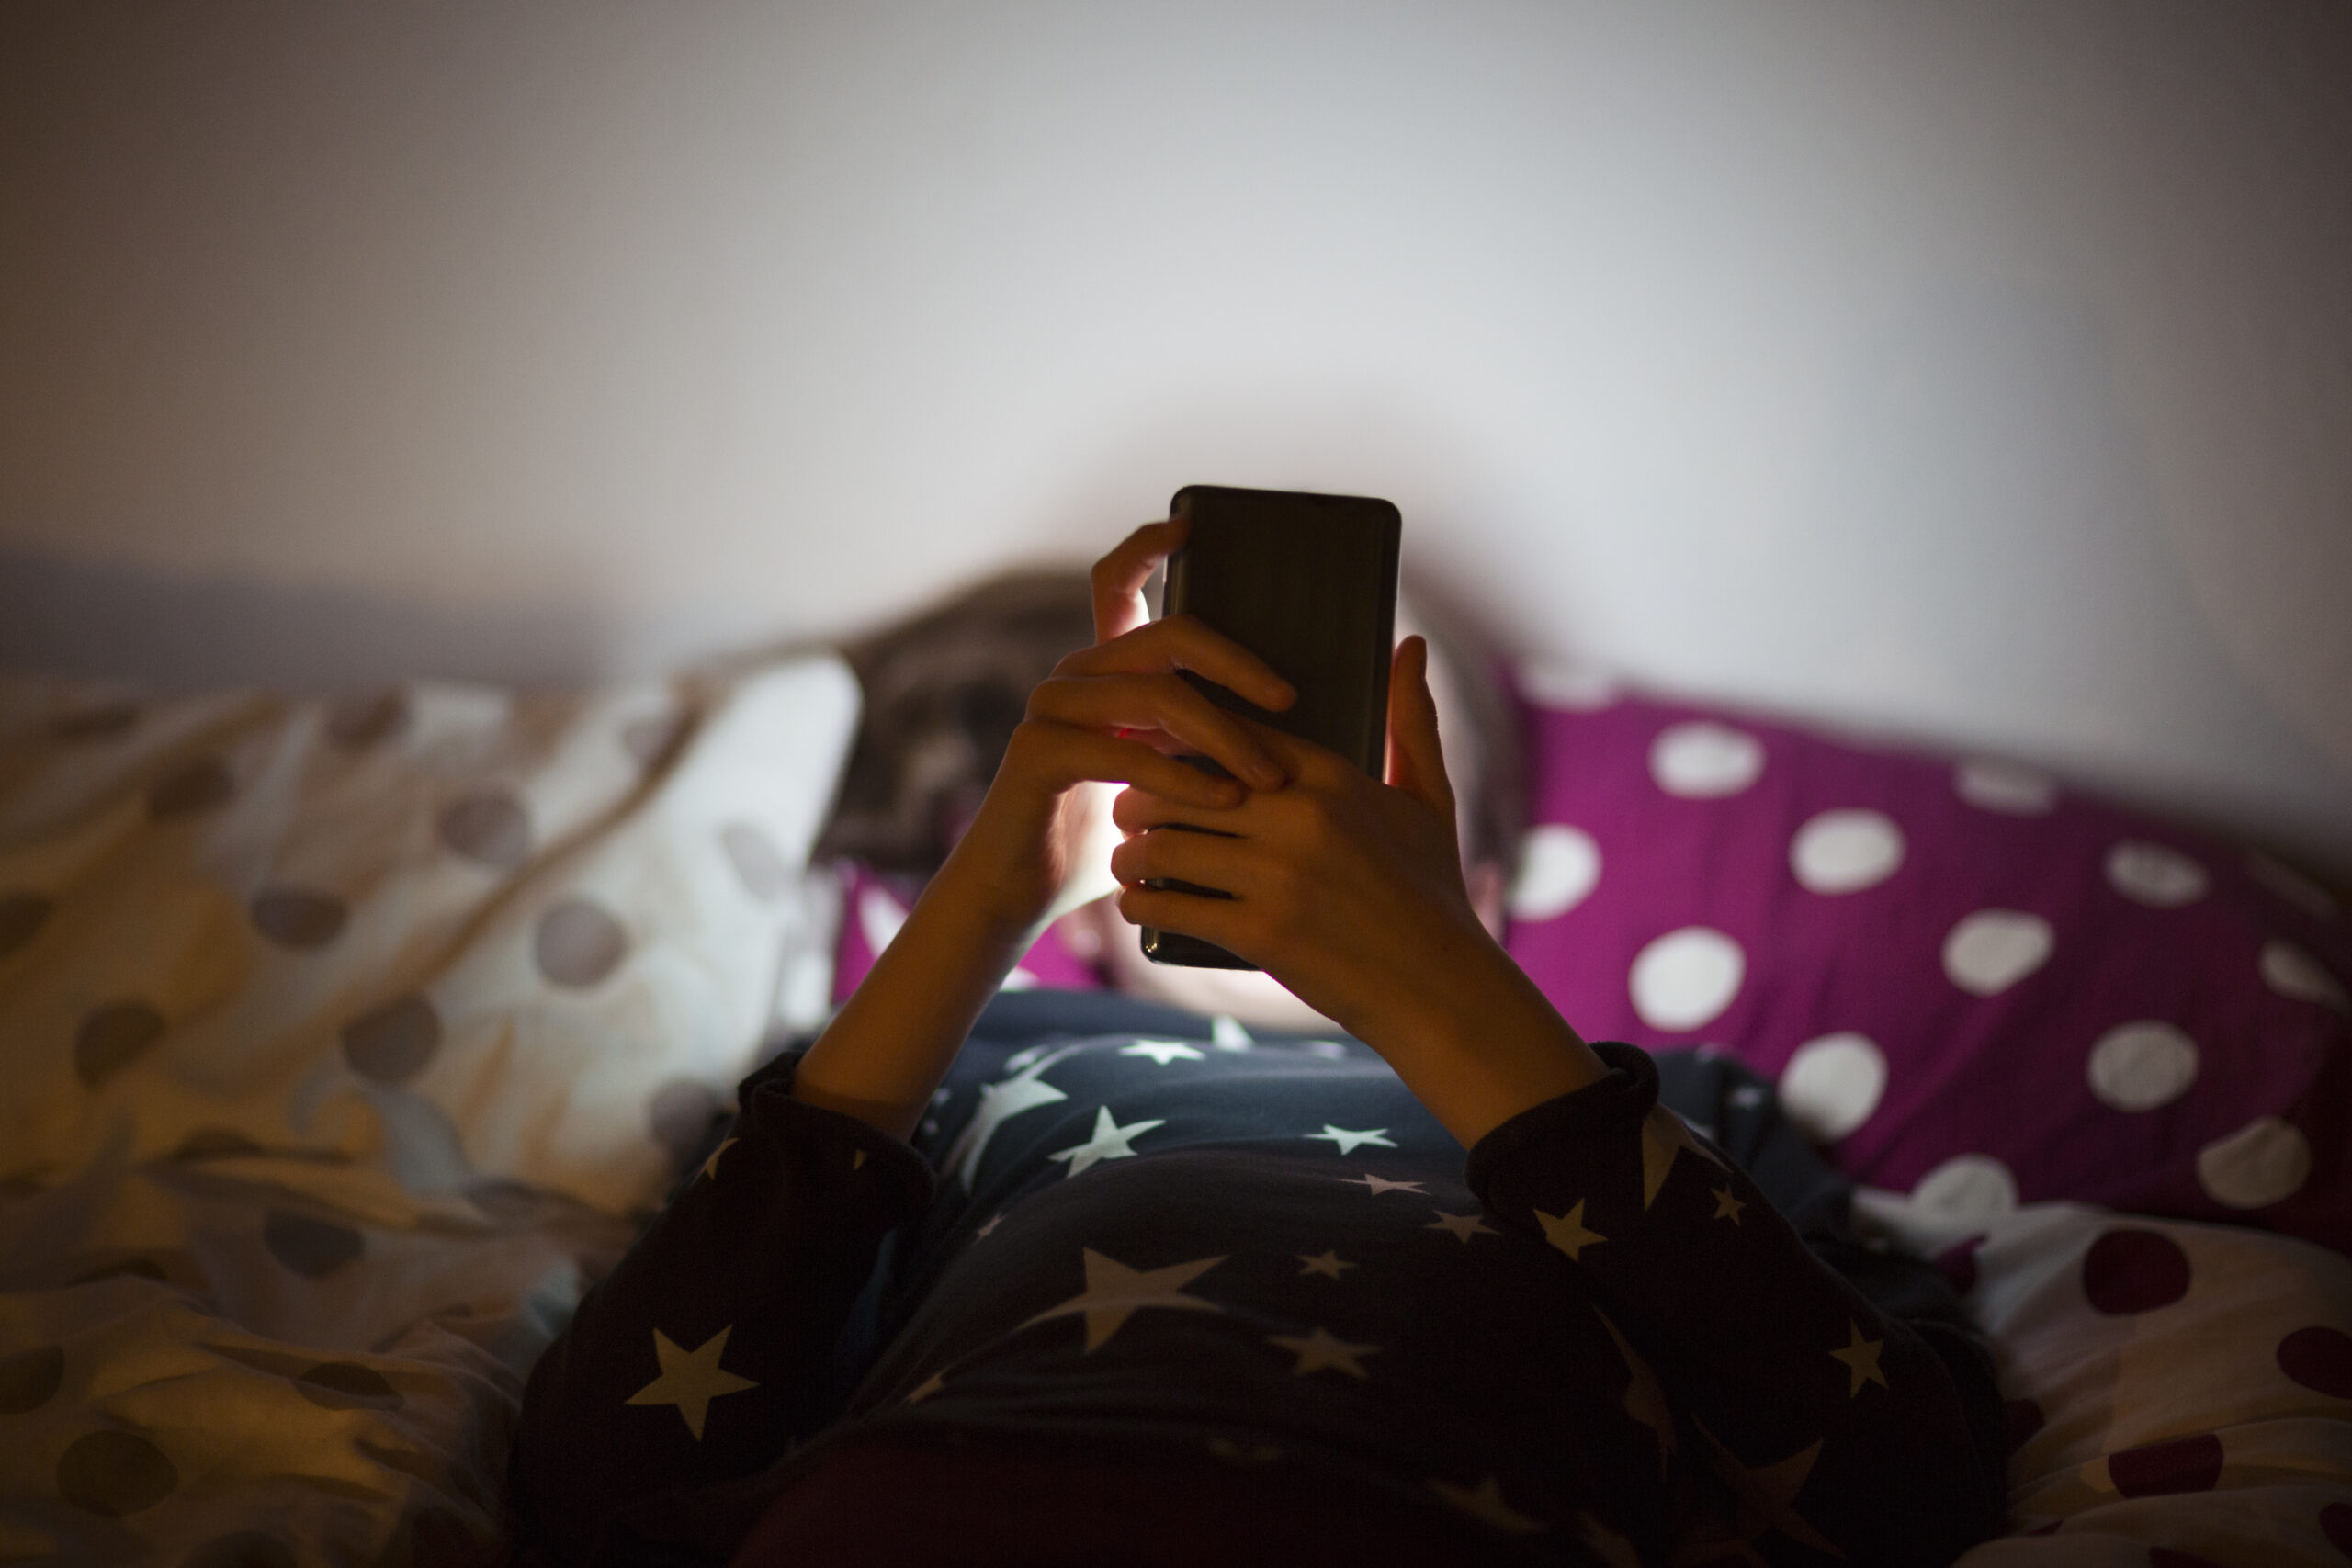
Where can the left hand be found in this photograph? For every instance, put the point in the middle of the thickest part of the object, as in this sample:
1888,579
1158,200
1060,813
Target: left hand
1347,890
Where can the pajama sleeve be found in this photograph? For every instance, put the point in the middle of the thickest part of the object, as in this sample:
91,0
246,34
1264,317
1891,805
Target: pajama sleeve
1841,1432
709,1349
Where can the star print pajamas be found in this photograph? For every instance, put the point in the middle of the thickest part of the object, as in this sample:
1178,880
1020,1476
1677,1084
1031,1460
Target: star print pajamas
1608,1340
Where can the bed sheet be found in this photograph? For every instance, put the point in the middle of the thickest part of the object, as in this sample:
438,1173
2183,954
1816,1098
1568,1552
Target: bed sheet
344,1044
2178,1393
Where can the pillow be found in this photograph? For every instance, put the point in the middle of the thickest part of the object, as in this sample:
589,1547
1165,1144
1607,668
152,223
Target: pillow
876,906
445,937
340,1041
1970,984
2177,1393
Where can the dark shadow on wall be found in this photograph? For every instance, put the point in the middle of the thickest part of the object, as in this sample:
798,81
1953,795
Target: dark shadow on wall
160,629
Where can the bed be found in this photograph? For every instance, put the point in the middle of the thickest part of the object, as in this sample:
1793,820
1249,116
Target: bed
346,1042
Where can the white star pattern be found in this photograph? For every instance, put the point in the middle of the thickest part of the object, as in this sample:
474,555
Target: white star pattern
1567,1233
1615,1550
1000,1102
1320,1350
1327,1264
1377,1137
1464,1226
710,1165
1767,1492
1227,1034
1114,1292
1165,1050
1378,1185
1109,1141
690,1379
1644,1396
1664,1137
1485,1503
1861,1357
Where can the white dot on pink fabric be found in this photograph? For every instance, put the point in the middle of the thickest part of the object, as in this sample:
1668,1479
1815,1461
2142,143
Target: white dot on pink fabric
2295,974
2155,874
1992,950
1686,978
2008,787
1832,1084
1845,850
1967,1186
1558,865
2262,1162
2141,1064
1701,759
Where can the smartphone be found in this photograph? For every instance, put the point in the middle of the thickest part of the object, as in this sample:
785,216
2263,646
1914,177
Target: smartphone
1309,583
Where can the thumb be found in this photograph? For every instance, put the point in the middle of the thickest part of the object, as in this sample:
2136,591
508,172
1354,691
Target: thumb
1416,758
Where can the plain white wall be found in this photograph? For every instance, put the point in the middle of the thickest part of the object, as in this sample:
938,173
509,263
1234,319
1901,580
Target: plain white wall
1974,371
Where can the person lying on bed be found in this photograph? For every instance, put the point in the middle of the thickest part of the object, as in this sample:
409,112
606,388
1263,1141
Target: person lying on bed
1148,1290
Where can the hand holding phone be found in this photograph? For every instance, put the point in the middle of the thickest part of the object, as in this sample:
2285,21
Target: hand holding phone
1308,582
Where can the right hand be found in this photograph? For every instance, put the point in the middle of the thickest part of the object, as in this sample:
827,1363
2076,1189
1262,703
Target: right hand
1116,713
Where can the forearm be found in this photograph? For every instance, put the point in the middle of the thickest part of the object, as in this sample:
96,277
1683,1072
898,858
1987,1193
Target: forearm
710,1345
885,1052
1786,1370
1476,1041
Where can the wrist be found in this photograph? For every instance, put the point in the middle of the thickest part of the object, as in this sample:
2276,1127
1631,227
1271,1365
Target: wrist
1000,894
1483,1043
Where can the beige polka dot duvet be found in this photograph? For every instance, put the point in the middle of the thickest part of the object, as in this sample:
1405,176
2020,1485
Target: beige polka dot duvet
2177,1393
338,1044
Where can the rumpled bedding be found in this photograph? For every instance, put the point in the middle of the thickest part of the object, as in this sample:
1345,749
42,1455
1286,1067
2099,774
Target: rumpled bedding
342,1044
2178,1393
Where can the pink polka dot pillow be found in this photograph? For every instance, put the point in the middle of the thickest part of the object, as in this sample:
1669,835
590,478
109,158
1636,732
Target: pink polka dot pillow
1971,985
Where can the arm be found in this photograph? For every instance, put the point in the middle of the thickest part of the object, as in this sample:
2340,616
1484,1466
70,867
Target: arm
710,1345
1351,893
1833,1423
1108,713
1825,1414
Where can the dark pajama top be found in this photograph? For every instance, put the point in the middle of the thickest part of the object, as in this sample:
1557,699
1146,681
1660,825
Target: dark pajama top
1610,1335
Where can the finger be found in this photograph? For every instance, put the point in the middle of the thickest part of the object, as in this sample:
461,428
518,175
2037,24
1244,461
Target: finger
1166,703
1139,810
1119,577
1205,860
1186,914
1067,754
1181,642
1415,757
